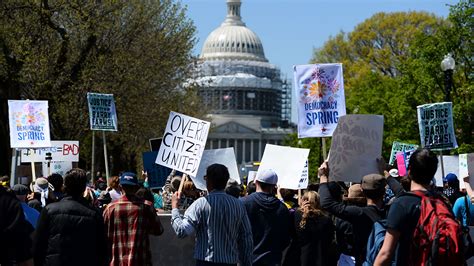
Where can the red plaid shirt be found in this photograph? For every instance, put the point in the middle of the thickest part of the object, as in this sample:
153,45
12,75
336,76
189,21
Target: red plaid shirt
128,224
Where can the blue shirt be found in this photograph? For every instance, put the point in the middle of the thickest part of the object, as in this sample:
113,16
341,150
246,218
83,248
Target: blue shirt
223,232
459,210
31,215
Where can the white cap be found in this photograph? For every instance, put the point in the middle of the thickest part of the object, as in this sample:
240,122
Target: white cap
267,176
393,173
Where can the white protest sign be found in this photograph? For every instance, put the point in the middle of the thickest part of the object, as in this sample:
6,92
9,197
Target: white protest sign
303,183
29,124
451,165
102,113
61,151
57,168
356,145
183,143
466,167
251,176
435,122
225,157
287,162
321,101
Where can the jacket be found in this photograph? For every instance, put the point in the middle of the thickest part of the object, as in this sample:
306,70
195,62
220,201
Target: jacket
270,221
70,232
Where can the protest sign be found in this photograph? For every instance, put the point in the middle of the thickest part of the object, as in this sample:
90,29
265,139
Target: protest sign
287,162
400,146
102,113
356,145
156,173
251,176
56,168
61,151
304,178
403,158
183,143
466,167
451,165
29,124
435,122
225,157
321,101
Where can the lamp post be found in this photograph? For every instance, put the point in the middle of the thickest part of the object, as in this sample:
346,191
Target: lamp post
447,65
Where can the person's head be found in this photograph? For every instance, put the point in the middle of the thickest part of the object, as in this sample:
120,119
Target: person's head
266,181
144,194
251,188
21,191
312,209
287,194
5,181
114,182
336,191
56,180
189,190
233,188
175,182
75,182
129,183
451,180
217,176
422,166
355,196
373,186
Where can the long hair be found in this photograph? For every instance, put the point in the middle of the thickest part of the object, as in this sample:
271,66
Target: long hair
312,209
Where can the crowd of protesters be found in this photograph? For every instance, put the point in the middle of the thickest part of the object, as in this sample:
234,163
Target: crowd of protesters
66,220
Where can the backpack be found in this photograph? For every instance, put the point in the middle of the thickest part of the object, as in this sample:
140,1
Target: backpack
437,239
375,242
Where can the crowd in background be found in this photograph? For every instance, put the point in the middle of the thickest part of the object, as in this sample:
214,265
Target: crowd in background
67,220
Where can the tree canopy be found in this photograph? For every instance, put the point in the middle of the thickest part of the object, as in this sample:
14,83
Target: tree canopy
391,65
140,51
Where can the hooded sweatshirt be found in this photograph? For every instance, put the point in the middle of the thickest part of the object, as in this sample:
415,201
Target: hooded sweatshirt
270,221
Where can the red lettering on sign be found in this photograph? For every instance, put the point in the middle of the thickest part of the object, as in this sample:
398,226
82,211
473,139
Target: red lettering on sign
73,149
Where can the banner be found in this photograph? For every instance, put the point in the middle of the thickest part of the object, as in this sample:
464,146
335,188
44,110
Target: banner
221,156
61,151
29,124
436,126
400,146
183,143
56,168
321,101
356,145
251,176
157,174
466,167
287,162
102,113
451,165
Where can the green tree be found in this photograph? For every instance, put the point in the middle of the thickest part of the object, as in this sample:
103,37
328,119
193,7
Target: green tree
59,50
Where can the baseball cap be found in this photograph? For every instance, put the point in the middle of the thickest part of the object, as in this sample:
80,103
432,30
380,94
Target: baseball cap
450,178
373,182
20,189
267,176
128,178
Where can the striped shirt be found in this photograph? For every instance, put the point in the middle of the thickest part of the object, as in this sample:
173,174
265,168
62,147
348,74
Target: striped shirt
223,232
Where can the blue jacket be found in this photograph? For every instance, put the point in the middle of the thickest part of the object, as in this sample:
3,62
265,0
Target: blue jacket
270,221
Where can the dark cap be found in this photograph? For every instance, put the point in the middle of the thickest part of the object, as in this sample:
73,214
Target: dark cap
373,182
128,178
20,190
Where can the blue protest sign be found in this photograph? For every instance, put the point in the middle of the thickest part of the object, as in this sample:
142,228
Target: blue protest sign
436,126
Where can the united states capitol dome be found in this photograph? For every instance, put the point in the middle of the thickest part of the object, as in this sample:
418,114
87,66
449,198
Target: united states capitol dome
233,40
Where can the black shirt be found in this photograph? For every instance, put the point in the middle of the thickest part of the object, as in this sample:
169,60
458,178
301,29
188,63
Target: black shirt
403,217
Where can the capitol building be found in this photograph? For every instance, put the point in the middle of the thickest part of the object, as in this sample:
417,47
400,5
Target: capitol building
247,99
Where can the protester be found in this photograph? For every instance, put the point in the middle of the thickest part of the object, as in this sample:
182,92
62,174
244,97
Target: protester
70,232
15,242
223,233
33,201
171,186
270,220
233,188
287,196
129,222
114,188
463,208
404,212
251,188
103,200
451,188
100,186
314,234
41,186
5,181
361,218
56,180
31,215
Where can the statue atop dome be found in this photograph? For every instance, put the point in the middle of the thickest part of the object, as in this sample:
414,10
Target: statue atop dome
233,14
